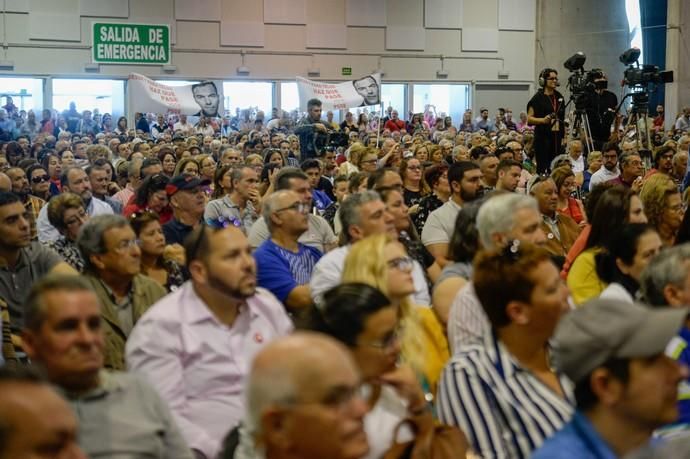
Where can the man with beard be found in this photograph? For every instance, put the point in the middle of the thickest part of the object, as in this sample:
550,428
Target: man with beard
75,181
609,170
196,344
32,204
464,179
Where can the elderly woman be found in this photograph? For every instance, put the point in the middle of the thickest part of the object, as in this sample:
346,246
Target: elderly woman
167,272
188,166
67,214
664,206
523,296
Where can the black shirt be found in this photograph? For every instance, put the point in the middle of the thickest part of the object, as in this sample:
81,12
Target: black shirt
543,105
601,113
175,232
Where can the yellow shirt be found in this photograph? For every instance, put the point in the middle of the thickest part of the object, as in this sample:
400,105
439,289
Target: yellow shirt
436,346
583,280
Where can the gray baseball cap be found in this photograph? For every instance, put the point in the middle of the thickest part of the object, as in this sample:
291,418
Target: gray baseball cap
602,329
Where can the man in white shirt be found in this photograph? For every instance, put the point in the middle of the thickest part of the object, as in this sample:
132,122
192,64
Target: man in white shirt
183,126
609,170
576,158
74,180
464,178
361,214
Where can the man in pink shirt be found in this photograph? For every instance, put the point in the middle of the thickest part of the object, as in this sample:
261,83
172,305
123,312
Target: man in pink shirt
196,344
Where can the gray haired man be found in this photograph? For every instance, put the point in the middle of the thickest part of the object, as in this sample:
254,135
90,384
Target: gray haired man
361,214
113,269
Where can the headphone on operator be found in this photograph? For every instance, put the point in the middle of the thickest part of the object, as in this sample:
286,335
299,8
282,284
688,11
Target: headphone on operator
544,74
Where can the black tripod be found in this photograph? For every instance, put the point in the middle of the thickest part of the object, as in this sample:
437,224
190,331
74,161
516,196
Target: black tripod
579,127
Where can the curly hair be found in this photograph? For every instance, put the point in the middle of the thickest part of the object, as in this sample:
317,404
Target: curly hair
654,196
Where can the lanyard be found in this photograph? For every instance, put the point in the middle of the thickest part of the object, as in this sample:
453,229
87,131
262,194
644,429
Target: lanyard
554,102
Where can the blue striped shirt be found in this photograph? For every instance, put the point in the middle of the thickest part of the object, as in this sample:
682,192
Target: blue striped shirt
280,270
505,411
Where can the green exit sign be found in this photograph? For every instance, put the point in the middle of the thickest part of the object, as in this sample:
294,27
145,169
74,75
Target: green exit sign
346,71
115,43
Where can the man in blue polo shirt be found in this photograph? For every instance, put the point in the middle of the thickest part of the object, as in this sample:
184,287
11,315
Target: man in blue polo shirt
284,266
625,386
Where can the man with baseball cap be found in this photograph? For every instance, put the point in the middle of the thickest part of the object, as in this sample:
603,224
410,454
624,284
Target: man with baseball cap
625,385
188,200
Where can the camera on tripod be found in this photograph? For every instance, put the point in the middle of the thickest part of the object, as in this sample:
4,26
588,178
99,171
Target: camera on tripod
581,83
637,76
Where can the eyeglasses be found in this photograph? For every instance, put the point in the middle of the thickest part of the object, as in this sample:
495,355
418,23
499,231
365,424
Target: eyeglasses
40,179
141,213
300,207
401,263
678,208
81,217
125,245
414,168
388,341
552,78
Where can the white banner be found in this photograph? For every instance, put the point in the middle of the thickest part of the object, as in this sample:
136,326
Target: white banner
148,96
339,96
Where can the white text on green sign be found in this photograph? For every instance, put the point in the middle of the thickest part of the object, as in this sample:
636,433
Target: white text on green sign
131,44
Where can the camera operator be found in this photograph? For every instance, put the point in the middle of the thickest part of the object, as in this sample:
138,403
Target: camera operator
546,111
312,131
601,108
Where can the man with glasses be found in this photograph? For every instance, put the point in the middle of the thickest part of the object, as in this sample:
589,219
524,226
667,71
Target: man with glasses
188,201
284,265
323,403
631,172
196,344
609,169
319,233
546,110
112,261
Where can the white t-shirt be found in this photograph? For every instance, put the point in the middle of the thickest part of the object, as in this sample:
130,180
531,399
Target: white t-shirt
380,423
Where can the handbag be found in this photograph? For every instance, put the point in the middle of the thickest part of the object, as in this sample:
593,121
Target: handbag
431,441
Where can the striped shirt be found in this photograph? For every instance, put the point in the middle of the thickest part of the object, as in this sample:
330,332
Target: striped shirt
505,411
281,271
467,321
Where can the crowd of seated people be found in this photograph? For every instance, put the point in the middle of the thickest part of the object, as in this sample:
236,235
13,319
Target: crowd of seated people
208,288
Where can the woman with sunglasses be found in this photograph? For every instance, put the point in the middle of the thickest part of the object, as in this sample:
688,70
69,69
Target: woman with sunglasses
154,262
383,263
151,196
39,181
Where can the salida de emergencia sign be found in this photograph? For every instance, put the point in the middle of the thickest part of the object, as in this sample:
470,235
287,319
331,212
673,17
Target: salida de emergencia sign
131,43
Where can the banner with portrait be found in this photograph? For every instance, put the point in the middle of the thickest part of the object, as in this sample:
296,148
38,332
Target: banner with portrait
149,96
362,92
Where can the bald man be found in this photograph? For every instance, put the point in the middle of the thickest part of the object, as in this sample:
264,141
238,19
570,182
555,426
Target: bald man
34,420
303,402
5,182
284,265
